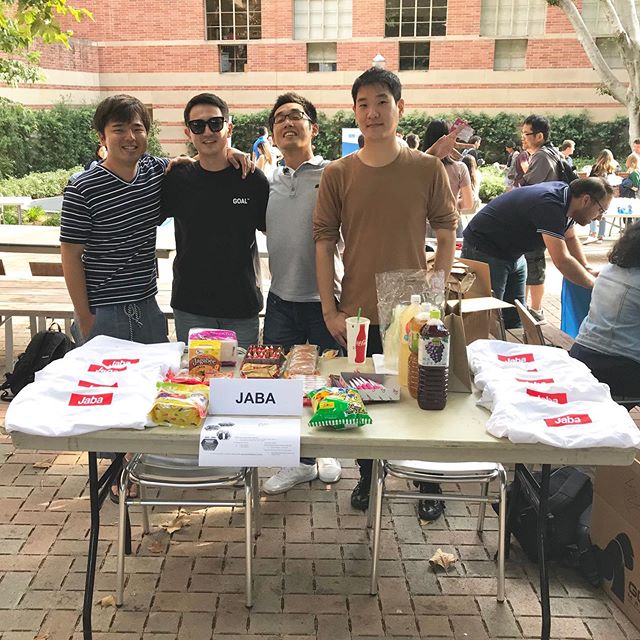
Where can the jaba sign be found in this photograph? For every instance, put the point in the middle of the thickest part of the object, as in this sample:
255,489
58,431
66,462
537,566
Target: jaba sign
255,397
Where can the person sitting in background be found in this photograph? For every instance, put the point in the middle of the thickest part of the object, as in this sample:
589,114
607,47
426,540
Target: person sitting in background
609,338
457,172
476,181
630,185
604,167
413,141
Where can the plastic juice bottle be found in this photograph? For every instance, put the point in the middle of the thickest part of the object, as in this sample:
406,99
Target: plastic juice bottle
416,324
405,337
433,363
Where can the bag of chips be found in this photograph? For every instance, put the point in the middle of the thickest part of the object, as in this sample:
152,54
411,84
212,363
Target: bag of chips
183,405
338,408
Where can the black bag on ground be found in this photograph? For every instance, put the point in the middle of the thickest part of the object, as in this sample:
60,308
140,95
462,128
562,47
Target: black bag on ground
45,347
570,494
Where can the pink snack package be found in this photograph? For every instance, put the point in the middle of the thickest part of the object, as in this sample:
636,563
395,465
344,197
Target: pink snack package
225,339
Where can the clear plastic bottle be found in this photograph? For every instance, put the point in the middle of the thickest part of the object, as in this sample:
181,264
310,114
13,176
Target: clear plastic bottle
433,363
405,337
416,324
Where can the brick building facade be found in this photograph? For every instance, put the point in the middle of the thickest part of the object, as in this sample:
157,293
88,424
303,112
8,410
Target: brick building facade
489,55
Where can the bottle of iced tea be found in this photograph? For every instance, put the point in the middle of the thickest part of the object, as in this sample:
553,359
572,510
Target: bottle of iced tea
433,363
417,323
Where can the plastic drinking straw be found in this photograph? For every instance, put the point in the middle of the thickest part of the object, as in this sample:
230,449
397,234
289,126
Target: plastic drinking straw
358,318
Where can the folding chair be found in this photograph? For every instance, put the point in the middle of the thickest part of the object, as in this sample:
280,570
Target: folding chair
532,327
458,472
183,472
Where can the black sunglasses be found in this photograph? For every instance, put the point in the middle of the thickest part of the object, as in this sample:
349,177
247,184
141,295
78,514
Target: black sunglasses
215,124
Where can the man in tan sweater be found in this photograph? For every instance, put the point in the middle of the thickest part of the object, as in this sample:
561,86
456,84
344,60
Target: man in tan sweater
380,199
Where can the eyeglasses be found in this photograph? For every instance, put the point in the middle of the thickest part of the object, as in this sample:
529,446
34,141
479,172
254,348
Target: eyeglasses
603,211
215,124
293,116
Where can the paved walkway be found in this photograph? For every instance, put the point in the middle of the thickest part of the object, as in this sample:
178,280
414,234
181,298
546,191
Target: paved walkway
312,563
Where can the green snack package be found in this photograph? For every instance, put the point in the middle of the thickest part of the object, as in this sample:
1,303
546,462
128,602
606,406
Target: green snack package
338,408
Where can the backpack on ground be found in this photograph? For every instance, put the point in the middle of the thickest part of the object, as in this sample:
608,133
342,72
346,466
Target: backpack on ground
566,173
570,495
45,347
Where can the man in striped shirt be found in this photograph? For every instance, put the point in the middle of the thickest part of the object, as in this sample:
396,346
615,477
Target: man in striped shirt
108,231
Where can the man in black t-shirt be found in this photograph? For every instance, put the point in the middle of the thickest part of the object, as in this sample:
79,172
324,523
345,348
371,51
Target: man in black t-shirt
529,218
216,280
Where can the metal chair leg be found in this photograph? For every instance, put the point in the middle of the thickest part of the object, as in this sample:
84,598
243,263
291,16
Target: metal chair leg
248,538
146,529
502,526
376,503
122,526
372,488
255,492
484,491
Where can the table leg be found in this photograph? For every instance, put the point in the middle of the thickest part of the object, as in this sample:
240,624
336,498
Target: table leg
542,562
99,488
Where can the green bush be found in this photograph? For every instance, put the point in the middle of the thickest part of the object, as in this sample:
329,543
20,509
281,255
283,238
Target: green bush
492,184
38,185
44,140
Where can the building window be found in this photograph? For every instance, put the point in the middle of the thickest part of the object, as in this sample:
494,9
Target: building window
595,18
510,55
233,19
322,56
322,19
233,58
512,17
610,52
414,18
414,56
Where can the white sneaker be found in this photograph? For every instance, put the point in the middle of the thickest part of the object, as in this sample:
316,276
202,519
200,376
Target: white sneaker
289,477
329,470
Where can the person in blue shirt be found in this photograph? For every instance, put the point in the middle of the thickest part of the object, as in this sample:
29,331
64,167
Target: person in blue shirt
263,138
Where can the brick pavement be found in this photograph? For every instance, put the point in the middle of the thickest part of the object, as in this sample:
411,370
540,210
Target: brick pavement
311,568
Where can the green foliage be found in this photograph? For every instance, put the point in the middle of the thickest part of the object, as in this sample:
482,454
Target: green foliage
22,24
328,143
38,185
245,128
52,219
492,184
49,139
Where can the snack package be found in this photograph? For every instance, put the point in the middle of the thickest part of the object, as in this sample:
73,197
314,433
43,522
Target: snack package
262,361
211,348
183,405
302,360
337,407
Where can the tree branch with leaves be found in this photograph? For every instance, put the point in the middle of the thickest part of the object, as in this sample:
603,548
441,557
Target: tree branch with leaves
24,24
622,15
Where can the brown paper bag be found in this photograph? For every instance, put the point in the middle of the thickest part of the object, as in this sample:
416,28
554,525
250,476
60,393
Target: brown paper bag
459,378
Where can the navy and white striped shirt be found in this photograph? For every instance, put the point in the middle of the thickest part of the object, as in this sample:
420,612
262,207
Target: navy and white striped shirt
116,221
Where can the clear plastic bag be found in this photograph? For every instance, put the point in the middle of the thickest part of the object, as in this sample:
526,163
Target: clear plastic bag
395,289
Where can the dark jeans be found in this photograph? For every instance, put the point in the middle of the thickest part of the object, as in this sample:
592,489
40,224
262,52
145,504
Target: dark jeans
620,373
288,323
508,278
374,345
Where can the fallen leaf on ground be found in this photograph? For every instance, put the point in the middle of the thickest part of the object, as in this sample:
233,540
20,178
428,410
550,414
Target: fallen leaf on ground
156,547
107,601
181,520
43,464
442,559
42,636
